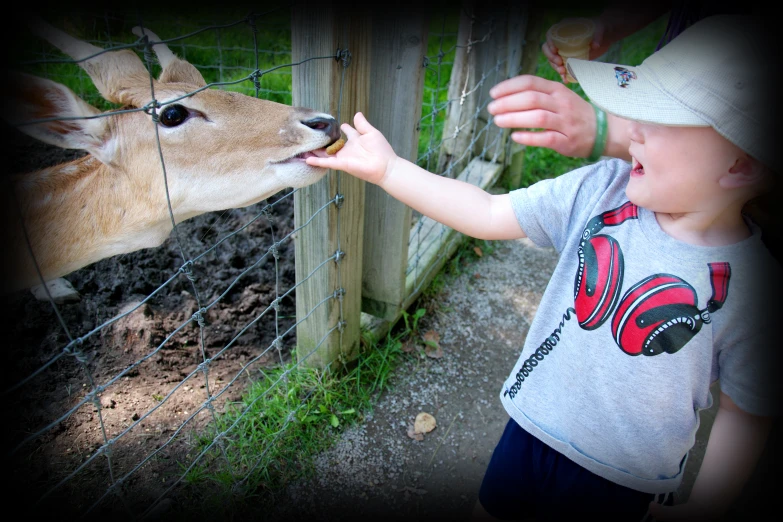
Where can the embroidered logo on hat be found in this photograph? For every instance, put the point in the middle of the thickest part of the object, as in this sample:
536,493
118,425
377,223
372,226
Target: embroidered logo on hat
624,76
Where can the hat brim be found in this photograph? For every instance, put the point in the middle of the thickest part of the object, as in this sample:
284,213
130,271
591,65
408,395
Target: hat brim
640,100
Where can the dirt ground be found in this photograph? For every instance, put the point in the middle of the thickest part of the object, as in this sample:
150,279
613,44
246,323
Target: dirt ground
51,433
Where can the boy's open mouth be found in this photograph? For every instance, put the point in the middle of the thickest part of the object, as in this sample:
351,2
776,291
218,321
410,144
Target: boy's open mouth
638,168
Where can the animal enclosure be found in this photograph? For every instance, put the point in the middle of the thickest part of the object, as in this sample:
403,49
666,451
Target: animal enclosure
120,394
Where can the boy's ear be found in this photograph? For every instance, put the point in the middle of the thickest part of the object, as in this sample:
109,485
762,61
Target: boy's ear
745,172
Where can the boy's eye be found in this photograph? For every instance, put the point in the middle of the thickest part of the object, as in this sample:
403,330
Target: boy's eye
173,115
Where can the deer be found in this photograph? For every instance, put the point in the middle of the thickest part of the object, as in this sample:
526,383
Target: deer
221,150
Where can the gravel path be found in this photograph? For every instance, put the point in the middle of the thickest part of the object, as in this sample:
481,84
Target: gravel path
376,471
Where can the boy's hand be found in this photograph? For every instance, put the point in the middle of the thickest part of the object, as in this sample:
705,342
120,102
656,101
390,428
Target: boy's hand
530,102
366,154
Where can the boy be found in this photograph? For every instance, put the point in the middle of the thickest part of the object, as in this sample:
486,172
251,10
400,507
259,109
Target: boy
660,289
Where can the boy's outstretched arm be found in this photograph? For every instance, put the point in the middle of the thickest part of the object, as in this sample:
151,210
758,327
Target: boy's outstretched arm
736,442
459,205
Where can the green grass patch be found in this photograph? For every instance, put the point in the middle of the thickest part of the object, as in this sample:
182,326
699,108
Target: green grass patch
441,50
289,415
226,46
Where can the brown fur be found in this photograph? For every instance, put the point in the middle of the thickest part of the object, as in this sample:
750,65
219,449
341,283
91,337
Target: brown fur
114,200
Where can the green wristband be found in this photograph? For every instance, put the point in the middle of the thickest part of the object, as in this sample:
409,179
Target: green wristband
600,135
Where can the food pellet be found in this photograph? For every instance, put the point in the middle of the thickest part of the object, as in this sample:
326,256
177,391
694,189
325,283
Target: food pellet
336,146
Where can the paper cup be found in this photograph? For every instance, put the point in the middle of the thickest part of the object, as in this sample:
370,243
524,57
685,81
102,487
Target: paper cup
572,37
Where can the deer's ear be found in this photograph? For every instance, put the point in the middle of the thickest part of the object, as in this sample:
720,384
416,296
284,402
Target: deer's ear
27,98
174,70
180,71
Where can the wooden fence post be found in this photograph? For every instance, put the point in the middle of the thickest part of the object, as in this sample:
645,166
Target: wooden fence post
458,127
399,45
532,34
432,242
500,22
329,327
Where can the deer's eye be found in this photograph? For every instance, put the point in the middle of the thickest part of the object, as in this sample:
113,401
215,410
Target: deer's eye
173,115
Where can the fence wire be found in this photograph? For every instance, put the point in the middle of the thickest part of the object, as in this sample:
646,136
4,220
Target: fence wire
176,365
458,137
144,385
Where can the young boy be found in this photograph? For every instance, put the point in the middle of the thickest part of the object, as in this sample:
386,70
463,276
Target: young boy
662,288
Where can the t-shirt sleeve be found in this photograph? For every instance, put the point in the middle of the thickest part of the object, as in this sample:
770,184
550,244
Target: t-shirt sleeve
548,210
746,376
749,361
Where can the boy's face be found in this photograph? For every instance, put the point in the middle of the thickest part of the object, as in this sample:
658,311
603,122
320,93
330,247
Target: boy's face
677,169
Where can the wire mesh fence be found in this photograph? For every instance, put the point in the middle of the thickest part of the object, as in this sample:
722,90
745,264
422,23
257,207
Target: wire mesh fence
190,363
471,52
135,388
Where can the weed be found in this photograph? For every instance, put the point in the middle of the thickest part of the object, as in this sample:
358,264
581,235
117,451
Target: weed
412,321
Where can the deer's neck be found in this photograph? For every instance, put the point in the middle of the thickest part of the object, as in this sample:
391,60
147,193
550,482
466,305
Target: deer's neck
80,212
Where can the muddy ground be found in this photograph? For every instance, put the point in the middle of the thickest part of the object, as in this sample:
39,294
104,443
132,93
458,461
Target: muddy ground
52,435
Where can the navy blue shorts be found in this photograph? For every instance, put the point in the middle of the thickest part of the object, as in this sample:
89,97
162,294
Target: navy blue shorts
528,479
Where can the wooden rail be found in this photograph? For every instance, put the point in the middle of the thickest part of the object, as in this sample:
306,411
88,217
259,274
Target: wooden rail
388,260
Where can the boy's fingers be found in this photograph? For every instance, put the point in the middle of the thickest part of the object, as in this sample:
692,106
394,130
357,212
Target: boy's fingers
361,123
349,131
315,161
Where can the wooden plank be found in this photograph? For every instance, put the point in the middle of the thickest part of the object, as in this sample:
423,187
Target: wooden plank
517,29
458,126
492,55
534,33
512,174
399,44
438,243
319,32
528,64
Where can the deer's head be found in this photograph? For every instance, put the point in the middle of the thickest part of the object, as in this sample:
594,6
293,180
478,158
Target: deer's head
220,150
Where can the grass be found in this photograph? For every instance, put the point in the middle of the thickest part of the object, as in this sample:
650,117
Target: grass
289,415
441,50
292,414
225,56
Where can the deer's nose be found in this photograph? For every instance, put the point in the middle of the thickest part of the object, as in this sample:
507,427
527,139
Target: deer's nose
326,125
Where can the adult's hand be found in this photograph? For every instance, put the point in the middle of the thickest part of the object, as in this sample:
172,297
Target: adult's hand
567,121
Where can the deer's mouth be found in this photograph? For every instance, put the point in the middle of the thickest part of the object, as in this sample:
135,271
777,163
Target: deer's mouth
302,156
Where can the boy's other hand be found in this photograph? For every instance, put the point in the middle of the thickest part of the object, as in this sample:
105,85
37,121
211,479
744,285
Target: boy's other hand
530,102
366,154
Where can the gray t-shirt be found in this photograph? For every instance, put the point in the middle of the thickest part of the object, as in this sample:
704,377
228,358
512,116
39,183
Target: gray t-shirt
633,328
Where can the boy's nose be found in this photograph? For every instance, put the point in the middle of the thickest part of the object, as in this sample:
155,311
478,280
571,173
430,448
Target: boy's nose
635,132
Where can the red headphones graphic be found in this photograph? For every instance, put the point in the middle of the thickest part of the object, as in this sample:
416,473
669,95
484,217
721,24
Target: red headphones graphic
658,314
